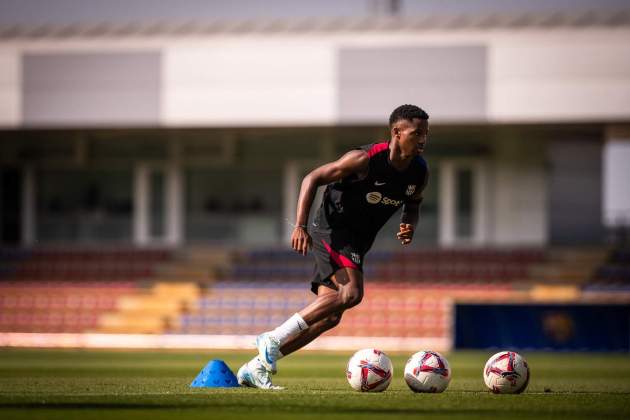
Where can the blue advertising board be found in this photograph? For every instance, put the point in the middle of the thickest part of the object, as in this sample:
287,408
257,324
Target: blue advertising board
543,327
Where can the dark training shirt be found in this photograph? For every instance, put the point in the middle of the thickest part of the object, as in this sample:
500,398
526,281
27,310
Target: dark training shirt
365,205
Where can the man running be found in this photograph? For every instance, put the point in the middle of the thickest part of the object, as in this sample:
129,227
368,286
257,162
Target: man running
366,186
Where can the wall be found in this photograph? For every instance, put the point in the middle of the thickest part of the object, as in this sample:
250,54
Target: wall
575,192
560,75
328,77
518,193
10,82
616,155
91,88
249,81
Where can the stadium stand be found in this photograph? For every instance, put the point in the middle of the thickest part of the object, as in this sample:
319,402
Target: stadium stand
69,290
58,306
421,266
610,281
407,294
80,265
616,269
210,291
243,307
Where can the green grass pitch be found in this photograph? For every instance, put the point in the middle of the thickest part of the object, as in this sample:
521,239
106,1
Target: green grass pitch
87,384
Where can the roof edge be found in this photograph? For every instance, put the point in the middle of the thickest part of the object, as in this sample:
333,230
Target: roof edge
583,19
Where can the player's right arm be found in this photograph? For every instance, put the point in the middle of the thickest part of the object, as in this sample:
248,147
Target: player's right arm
353,162
410,214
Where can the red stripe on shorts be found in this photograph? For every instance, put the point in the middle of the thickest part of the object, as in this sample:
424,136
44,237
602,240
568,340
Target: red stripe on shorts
340,260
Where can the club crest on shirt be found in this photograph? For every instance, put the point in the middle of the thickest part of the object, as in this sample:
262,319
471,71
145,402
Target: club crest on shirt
411,188
356,258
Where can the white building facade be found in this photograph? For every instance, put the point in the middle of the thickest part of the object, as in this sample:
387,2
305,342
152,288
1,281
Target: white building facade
175,134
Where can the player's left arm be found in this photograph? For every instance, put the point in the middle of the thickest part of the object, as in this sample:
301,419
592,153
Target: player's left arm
410,215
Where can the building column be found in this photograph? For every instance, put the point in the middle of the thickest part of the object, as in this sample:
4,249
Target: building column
174,205
29,220
141,205
480,203
446,204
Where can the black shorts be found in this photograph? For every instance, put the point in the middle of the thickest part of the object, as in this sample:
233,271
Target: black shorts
335,249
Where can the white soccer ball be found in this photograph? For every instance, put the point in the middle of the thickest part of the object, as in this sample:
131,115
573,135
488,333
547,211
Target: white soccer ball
369,370
506,372
427,371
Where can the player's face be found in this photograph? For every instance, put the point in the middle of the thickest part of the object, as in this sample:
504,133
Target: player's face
412,136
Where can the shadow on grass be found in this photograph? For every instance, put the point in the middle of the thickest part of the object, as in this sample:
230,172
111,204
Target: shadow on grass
289,408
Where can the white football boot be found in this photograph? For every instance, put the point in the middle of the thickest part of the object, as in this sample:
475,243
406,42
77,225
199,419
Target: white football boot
255,375
268,350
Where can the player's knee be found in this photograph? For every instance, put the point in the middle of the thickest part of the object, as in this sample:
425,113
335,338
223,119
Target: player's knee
356,298
333,320
352,298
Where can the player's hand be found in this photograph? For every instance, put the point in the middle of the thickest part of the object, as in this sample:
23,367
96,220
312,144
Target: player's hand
300,240
405,233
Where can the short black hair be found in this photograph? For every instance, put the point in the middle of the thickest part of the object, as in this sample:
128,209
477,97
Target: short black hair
407,112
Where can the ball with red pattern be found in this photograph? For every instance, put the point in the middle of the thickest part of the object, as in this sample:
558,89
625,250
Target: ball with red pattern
369,370
427,371
506,372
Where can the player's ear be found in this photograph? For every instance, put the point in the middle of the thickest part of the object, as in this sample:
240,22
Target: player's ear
395,131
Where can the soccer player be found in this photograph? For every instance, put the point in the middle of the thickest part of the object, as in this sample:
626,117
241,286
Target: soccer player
365,187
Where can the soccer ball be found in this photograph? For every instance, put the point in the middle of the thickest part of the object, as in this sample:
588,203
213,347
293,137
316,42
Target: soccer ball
369,370
506,372
427,371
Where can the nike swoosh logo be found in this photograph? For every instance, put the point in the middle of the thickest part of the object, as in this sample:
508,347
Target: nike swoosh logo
379,183
267,356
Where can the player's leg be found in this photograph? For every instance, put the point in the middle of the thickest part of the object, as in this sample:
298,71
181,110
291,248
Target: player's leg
294,333
347,292
255,374
314,330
